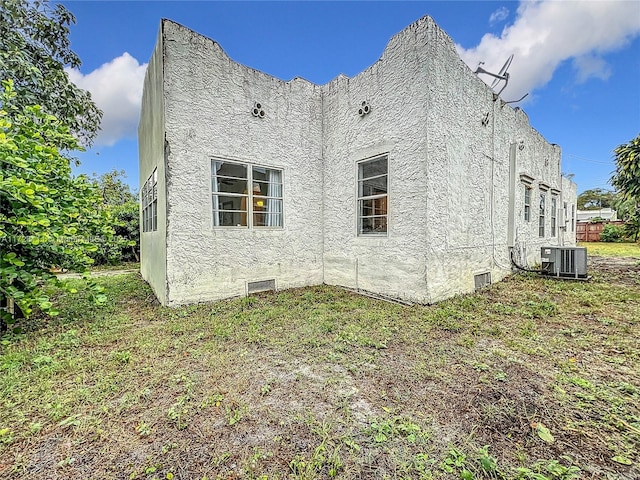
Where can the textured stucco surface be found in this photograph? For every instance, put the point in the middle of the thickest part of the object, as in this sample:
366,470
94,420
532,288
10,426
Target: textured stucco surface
450,178
395,89
208,102
153,253
469,177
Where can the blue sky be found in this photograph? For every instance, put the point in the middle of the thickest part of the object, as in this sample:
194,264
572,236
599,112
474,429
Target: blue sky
578,61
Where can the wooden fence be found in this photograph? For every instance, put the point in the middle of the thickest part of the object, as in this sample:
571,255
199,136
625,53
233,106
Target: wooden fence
587,231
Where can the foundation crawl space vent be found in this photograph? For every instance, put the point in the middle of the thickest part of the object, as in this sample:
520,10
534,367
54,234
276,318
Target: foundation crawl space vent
261,286
482,280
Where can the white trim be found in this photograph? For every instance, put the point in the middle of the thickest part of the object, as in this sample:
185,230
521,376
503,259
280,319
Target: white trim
527,179
358,198
249,195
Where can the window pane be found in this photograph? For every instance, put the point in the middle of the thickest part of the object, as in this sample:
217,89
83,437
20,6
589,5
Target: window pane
230,219
373,206
267,189
227,169
541,232
264,204
372,168
230,203
374,186
270,175
267,212
229,185
373,225
267,181
264,219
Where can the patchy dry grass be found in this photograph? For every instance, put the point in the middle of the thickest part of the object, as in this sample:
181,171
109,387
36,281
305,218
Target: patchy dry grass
604,249
528,377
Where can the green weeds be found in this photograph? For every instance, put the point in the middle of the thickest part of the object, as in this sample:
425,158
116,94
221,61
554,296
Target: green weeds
323,383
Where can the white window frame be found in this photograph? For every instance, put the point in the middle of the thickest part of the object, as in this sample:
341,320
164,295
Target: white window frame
554,214
527,203
250,196
542,214
149,200
360,199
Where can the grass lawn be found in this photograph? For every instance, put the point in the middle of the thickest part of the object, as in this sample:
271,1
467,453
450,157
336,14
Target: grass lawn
119,266
530,378
604,249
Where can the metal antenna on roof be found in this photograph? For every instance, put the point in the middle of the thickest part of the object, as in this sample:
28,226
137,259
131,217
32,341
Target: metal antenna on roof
502,75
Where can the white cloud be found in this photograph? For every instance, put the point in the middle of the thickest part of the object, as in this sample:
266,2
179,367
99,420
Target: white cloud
116,87
547,33
499,15
588,66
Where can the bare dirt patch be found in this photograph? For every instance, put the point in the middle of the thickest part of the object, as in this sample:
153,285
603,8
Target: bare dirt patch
625,270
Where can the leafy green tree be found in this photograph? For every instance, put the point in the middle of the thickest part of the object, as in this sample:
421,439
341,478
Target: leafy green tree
128,229
34,50
113,189
595,199
124,245
47,216
626,178
629,211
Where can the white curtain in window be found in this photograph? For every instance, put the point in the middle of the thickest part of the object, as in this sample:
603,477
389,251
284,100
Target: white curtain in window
274,205
214,191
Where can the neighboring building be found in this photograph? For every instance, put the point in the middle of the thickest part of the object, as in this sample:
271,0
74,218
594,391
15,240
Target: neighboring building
590,223
599,214
411,179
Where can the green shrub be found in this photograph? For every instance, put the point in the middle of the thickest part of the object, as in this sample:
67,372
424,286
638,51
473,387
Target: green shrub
612,233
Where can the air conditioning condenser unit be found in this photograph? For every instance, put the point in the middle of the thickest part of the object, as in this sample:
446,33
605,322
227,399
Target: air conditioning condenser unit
565,262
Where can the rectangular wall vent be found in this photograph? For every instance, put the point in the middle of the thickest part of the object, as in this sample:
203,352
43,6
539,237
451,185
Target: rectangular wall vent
261,286
482,280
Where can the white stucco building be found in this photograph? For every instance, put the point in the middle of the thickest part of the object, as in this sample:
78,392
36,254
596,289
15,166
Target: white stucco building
410,180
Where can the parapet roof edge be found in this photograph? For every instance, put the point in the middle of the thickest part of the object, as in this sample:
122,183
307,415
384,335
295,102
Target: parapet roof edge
426,19
216,43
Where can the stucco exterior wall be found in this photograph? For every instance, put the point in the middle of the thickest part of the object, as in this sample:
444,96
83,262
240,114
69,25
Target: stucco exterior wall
477,150
209,99
462,172
458,162
153,252
395,89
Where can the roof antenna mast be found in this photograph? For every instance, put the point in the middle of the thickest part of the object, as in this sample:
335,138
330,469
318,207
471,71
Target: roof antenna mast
502,75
